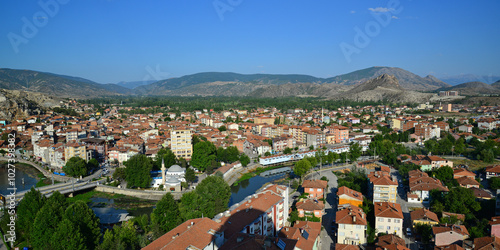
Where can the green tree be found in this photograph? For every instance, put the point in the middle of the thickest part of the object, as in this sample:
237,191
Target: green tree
312,160
167,156
444,174
287,150
120,173
354,152
461,200
460,146
138,170
166,214
76,167
190,175
47,221
121,238
67,236
425,231
244,159
203,154
27,210
494,182
487,155
92,164
190,206
222,128
301,167
86,222
215,194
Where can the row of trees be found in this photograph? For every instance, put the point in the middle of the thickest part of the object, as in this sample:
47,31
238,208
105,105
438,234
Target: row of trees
53,223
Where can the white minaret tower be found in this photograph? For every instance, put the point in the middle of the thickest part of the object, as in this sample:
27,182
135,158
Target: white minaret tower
163,171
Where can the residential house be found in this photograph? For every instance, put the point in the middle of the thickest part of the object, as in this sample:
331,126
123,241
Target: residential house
351,221
421,184
310,207
315,188
466,128
459,217
307,234
487,243
208,235
467,182
346,195
390,242
492,171
346,247
383,187
462,172
495,226
388,218
423,216
449,234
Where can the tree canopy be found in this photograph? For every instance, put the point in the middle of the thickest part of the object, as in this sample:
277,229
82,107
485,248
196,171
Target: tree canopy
203,153
166,214
138,171
76,167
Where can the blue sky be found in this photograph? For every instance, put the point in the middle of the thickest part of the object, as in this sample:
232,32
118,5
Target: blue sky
112,41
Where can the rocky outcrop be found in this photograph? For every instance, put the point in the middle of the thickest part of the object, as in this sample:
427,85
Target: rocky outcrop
385,87
15,104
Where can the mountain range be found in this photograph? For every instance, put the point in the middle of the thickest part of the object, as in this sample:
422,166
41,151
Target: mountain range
223,84
475,88
463,78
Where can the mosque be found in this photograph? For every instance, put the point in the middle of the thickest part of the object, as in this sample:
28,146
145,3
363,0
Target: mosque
171,178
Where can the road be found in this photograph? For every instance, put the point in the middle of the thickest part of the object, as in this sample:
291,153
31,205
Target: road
327,238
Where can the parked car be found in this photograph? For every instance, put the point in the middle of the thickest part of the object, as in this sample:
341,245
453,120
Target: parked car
408,232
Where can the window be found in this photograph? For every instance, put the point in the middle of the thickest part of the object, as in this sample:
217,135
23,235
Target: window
311,189
380,227
397,228
358,227
381,219
388,227
388,220
319,189
396,220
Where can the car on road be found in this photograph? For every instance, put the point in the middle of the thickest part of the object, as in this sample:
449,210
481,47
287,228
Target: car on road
408,232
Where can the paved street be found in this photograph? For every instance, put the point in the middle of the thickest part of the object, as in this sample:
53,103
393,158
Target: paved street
327,238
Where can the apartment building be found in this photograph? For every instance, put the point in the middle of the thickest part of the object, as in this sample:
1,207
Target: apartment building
352,225
180,143
388,218
75,149
383,187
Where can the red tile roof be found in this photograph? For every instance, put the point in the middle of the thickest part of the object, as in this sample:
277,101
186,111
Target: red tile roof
388,210
181,237
315,184
349,192
424,214
351,215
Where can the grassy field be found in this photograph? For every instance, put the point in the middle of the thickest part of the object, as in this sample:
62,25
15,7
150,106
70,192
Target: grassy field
474,165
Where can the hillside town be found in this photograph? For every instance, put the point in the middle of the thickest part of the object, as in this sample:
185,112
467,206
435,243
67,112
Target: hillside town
364,177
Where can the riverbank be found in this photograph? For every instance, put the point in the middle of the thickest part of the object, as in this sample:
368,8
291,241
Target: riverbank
254,173
133,205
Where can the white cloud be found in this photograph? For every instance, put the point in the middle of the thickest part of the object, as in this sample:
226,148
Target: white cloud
380,9
395,17
353,11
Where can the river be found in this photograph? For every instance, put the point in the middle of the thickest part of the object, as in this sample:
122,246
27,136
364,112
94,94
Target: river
248,187
28,174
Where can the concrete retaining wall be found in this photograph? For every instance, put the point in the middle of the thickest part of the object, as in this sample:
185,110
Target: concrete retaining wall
143,194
